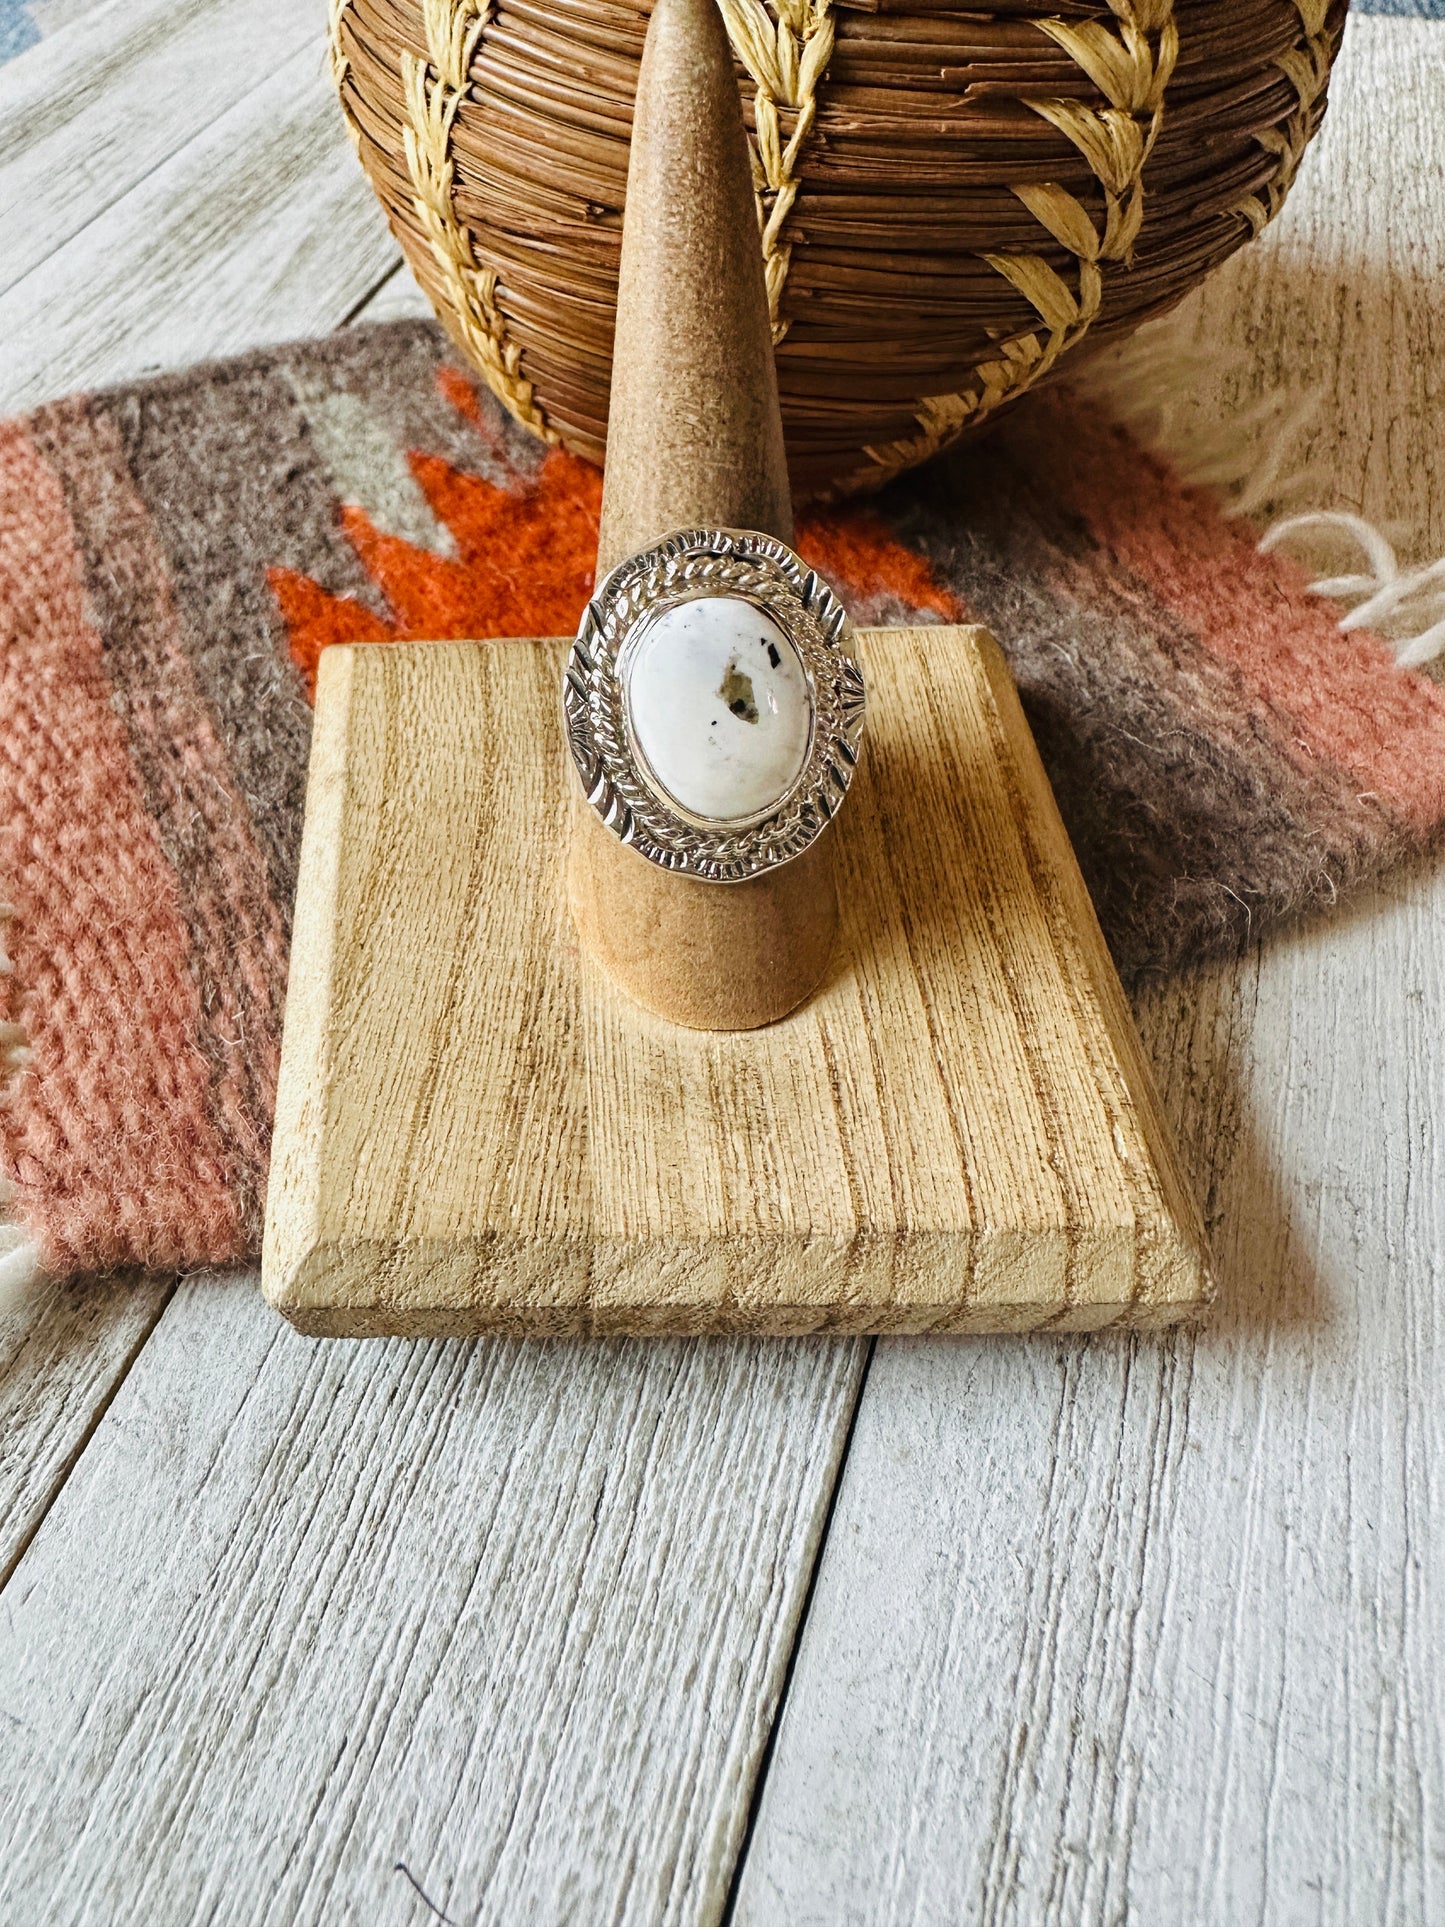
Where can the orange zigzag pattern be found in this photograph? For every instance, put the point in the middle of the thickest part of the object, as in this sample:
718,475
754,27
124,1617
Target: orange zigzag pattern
524,559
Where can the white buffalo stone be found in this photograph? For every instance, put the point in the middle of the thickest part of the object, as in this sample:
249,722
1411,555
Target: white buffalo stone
720,708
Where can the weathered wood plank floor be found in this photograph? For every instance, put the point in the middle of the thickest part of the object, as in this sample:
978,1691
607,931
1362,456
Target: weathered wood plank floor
1070,1631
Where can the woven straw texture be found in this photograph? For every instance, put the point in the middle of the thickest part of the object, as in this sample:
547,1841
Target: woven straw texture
951,202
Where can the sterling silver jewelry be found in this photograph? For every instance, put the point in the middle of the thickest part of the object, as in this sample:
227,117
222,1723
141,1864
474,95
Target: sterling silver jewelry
712,703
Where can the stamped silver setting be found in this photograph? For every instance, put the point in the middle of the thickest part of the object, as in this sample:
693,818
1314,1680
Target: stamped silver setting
683,567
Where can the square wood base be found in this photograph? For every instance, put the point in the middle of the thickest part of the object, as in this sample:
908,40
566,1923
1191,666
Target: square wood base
476,1132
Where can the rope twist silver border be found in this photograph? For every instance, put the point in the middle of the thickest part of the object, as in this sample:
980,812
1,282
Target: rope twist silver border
682,566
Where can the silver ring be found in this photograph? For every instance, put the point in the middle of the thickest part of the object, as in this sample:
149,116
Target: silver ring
712,703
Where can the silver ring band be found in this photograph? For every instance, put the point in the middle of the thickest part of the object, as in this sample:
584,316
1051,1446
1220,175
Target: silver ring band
713,704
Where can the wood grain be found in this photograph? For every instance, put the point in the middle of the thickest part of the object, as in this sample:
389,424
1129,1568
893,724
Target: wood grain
1149,1632
62,1357
215,1654
512,1617
258,229
1339,312
369,1542
476,1132
49,16
65,165
649,1515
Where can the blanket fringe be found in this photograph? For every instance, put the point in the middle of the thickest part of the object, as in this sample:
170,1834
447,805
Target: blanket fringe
21,1273
1253,461
20,1270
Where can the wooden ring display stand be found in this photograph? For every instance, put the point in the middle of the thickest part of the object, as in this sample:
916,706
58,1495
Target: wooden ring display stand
479,1126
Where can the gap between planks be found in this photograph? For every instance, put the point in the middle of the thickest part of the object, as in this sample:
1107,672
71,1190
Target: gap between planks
61,1361
1360,965
261,228
78,121
516,1615
1149,1632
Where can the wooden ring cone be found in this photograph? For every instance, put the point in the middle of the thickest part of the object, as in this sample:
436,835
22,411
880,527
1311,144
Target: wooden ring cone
695,439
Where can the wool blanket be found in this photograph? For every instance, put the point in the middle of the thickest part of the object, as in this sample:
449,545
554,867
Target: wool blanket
175,554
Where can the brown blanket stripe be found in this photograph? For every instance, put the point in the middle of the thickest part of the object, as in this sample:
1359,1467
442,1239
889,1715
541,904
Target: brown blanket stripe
174,555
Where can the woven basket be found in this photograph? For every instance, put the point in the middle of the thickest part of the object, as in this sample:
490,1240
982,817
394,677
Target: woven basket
950,201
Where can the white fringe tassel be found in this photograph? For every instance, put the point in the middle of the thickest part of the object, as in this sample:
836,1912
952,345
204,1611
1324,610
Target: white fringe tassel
1387,593
1156,384
20,1272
